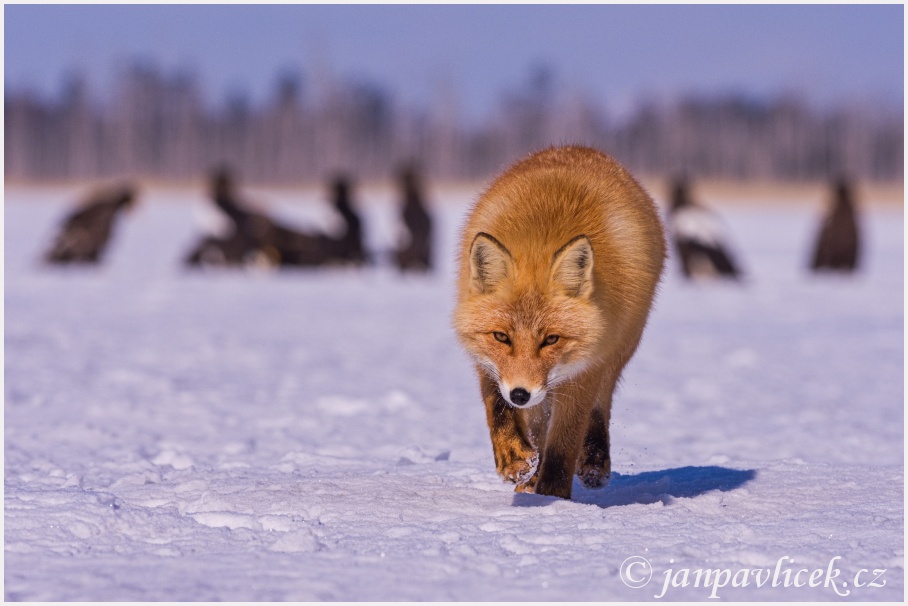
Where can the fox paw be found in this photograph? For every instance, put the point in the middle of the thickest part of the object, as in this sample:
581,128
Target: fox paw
519,468
595,476
528,486
527,482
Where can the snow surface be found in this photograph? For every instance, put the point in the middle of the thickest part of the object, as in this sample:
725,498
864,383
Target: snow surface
318,435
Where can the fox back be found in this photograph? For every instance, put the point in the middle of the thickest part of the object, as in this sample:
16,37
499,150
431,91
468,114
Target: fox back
558,265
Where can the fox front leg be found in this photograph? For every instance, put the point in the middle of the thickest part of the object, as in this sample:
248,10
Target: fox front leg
563,445
515,458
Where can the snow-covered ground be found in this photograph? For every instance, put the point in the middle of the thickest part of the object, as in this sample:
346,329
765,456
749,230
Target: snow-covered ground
318,435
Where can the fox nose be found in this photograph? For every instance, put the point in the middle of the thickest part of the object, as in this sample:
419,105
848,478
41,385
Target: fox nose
520,396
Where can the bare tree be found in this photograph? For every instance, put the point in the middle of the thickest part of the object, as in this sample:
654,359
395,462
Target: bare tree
157,125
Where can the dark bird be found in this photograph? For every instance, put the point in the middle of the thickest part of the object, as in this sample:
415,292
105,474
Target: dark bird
699,237
256,239
348,248
84,235
838,242
244,241
415,252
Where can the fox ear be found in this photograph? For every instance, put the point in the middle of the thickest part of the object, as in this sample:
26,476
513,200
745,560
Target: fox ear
572,267
490,263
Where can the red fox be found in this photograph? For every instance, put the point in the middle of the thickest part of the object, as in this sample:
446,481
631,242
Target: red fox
559,263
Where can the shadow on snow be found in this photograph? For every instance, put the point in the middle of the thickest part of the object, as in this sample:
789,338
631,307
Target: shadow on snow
650,487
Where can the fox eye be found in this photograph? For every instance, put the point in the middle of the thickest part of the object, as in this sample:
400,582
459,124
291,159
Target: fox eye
501,338
550,340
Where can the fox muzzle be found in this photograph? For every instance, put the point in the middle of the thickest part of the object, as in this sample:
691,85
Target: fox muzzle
520,397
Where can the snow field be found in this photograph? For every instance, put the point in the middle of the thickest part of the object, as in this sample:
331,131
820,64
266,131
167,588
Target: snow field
175,435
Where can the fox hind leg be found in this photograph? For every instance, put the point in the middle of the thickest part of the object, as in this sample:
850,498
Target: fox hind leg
595,465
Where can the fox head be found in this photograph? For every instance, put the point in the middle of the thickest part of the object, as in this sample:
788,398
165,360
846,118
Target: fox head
530,327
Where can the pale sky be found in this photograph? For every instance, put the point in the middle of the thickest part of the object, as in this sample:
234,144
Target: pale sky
615,53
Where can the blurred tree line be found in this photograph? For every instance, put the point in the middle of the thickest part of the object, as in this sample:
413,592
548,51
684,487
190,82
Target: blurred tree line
157,125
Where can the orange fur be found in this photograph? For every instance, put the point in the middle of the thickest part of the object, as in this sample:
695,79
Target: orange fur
564,246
